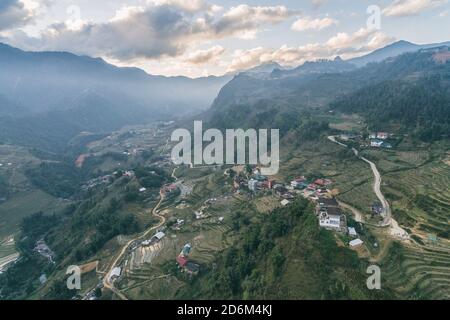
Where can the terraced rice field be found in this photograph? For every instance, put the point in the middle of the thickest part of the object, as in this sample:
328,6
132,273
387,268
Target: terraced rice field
7,248
419,272
421,197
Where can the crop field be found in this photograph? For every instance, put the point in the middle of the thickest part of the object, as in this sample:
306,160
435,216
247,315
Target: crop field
7,247
22,205
420,199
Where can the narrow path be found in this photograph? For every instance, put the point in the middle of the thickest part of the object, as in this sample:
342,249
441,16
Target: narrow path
395,229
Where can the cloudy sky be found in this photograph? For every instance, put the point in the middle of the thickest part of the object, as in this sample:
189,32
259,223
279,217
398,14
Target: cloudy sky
211,37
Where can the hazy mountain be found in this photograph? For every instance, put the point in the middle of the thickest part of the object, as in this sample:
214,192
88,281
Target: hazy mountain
48,97
8,108
320,66
64,76
392,50
248,101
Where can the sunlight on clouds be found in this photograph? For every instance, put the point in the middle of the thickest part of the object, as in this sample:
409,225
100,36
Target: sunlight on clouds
401,8
309,23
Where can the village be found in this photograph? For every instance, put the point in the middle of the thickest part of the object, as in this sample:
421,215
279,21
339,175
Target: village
373,139
327,208
239,182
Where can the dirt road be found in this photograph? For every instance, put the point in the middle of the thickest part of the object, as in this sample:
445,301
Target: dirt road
395,229
107,283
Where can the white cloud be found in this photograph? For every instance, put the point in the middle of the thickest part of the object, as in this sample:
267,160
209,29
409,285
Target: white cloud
309,23
159,28
205,56
401,8
346,45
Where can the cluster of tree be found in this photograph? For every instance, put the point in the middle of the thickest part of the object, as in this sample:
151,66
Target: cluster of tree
286,256
421,107
56,178
152,177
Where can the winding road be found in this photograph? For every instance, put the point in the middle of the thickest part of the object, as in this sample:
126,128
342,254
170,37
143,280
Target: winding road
107,283
395,229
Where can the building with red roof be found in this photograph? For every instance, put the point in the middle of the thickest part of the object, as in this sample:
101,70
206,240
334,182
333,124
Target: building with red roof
182,261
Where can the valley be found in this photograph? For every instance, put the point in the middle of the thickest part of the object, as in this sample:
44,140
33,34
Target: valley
360,183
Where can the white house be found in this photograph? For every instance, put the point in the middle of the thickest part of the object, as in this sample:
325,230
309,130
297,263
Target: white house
115,273
159,235
285,202
356,243
352,232
376,143
330,221
253,185
142,189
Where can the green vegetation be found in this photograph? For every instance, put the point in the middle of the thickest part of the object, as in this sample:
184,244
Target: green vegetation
285,256
418,106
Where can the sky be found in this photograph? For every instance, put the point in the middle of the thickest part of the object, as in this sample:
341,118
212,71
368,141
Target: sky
198,38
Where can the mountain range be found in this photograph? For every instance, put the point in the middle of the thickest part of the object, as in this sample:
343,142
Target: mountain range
47,98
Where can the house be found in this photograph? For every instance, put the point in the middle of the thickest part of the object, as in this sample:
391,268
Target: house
267,184
238,182
186,250
352,232
159,236
327,203
382,135
323,182
43,278
260,178
285,202
142,190
192,268
253,185
330,220
376,143
377,207
115,273
299,183
356,243
182,261
372,136
199,215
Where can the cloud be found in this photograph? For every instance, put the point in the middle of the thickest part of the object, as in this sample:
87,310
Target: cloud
205,56
318,3
309,23
244,19
14,13
402,8
346,45
158,28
